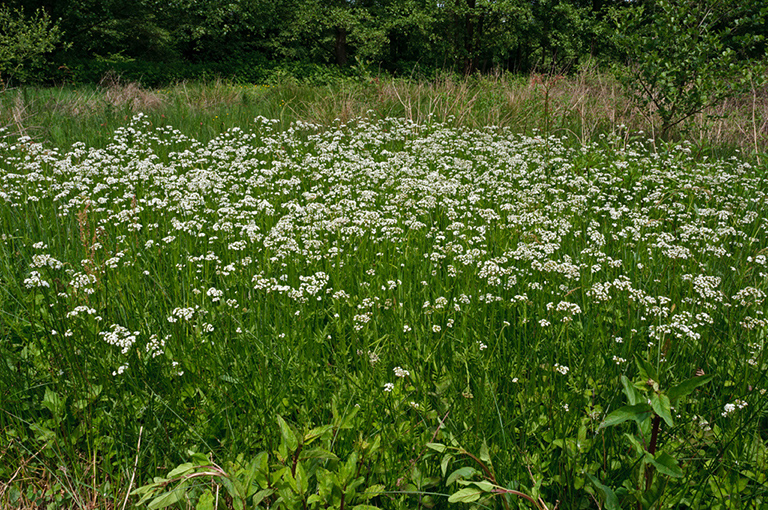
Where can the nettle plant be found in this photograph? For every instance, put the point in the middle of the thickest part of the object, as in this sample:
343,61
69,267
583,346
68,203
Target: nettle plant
648,406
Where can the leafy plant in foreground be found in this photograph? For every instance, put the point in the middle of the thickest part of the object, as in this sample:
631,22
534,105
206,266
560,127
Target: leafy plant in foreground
479,492
298,475
649,405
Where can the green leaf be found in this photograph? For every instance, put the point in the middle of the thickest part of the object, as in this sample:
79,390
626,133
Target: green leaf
438,447
316,432
181,470
348,469
638,413
200,459
662,407
288,436
167,499
317,453
53,402
206,501
686,387
665,464
373,491
461,473
633,394
611,501
466,495
447,458
302,483
647,371
484,485
365,507
259,496
484,455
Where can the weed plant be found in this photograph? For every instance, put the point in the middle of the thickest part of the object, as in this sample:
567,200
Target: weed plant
431,289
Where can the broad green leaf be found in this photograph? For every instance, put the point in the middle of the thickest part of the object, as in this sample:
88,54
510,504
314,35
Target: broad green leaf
461,473
261,463
288,436
662,407
466,495
438,447
638,413
634,396
348,469
167,499
53,402
647,371
665,464
200,459
611,501
302,483
317,453
447,458
484,455
206,501
259,496
316,432
686,387
365,507
484,485
181,470
288,477
373,491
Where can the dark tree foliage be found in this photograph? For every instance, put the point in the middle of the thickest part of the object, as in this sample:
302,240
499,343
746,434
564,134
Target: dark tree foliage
247,37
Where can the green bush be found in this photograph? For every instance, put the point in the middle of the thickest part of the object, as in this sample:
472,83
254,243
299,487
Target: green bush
24,41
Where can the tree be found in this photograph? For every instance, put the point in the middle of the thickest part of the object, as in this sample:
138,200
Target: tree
683,56
24,41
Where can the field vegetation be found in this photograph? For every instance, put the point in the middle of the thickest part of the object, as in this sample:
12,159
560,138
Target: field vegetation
389,295
393,254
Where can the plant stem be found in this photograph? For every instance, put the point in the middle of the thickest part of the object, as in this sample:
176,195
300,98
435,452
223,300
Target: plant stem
652,449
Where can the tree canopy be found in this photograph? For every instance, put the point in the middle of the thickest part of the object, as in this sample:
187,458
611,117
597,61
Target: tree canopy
231,37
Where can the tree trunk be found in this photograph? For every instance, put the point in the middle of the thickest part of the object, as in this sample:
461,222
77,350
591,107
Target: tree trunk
341,46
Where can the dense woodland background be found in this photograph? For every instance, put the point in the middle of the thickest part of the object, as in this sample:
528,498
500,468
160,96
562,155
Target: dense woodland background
162,41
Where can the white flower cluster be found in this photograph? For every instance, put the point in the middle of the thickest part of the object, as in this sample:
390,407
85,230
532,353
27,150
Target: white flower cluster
120,337
34,280
181,313
401,372
83,282
731,407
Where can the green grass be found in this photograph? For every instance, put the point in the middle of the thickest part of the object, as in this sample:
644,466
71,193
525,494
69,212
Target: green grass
582,108
429,290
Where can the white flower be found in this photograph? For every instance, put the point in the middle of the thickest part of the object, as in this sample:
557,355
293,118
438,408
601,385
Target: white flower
401,372
388,387
562,369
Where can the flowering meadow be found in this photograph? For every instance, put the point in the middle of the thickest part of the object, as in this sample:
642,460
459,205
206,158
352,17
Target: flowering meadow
427,315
